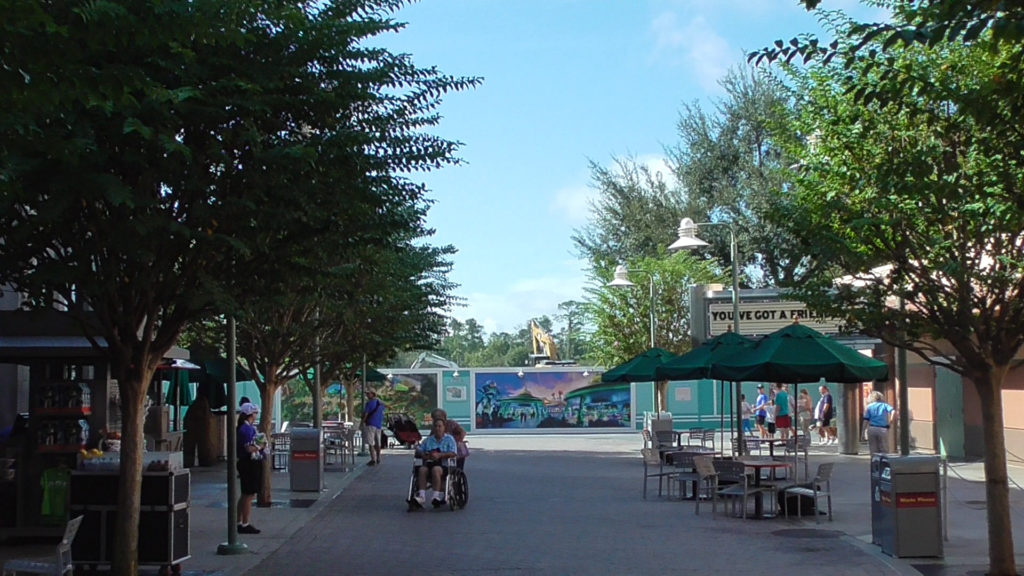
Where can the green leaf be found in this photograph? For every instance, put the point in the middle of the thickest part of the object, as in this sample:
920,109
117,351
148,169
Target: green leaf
975,30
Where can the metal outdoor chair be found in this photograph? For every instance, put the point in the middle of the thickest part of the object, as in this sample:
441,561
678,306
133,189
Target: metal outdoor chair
733,483
62,559
708,437
796,447
657,443
695,436
707,482
685,472
820,487
654,467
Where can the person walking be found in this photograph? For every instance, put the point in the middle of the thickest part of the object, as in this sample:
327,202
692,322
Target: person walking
748,411
760,411
249,465
770,412
373,424
877,419
783,418
823,414
803,412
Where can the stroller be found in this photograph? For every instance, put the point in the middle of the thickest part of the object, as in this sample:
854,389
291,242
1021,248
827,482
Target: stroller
403,429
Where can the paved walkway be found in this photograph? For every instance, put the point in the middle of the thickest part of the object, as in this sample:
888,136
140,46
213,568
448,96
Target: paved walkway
546,504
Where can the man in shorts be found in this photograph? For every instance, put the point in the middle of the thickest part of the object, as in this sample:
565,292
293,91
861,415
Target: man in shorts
760,410
824,413
434,450
373,423
783,418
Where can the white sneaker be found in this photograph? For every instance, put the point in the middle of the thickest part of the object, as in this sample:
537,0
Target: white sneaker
420,498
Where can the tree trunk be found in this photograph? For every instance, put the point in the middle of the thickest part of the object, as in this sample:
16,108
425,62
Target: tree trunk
125,557
350,400
997,487
661,395
265,497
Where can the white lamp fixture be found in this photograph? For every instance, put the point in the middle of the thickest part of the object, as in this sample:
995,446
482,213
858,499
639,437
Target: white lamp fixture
586,373
621,280
520,374
688,240
687,236
455,374
390,376
621,277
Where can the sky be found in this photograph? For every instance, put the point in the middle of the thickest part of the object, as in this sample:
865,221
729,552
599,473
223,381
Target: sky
565,83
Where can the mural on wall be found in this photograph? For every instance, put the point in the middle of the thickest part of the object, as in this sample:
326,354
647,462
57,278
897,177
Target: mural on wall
413,394
549,400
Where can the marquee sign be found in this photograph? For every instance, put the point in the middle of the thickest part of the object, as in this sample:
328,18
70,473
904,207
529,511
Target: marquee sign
760,318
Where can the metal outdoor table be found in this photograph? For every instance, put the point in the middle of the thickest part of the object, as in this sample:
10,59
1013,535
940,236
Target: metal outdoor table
757,465
772,443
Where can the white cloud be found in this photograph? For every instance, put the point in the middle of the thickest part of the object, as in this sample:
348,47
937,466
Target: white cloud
573,203
695,45
658,165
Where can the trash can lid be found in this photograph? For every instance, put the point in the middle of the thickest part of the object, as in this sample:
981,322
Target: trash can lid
916,464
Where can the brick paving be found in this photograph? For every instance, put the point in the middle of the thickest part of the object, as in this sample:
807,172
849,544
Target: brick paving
560,505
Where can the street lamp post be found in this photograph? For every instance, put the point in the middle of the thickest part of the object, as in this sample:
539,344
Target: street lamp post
622,280
688,240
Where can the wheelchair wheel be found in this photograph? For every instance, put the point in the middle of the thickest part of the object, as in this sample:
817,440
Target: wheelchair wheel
458,489
413,504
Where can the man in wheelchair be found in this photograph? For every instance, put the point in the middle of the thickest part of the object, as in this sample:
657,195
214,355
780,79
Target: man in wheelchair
435,450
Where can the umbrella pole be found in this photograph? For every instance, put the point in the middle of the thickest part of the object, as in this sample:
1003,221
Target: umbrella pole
796,432
721,414
742,441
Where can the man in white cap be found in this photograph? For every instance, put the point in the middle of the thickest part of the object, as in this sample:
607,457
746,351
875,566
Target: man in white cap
761,410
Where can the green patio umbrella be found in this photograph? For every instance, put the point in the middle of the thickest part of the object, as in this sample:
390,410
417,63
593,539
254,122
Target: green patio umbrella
212,378
639,368
798,354
371,375
696,364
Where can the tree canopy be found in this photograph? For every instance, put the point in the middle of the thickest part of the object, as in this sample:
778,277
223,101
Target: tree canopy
164,161
909,193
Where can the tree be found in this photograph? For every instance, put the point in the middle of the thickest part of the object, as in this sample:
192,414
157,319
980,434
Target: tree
622,315
575,335
734,168
915,194
635,215
162,160
463,341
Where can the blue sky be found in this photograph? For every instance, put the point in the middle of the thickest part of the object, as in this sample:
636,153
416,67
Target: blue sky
566,82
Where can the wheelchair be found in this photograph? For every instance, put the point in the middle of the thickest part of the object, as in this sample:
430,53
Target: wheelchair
456,485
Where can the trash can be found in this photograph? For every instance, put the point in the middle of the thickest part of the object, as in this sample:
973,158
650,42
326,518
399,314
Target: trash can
910,518
877,510
306,463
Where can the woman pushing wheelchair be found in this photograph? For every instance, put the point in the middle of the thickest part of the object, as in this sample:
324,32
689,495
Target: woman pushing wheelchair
434,450
436,466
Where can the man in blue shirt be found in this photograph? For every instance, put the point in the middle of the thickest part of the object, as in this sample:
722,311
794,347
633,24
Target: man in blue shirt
434,450
373,423
760,411
878,417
